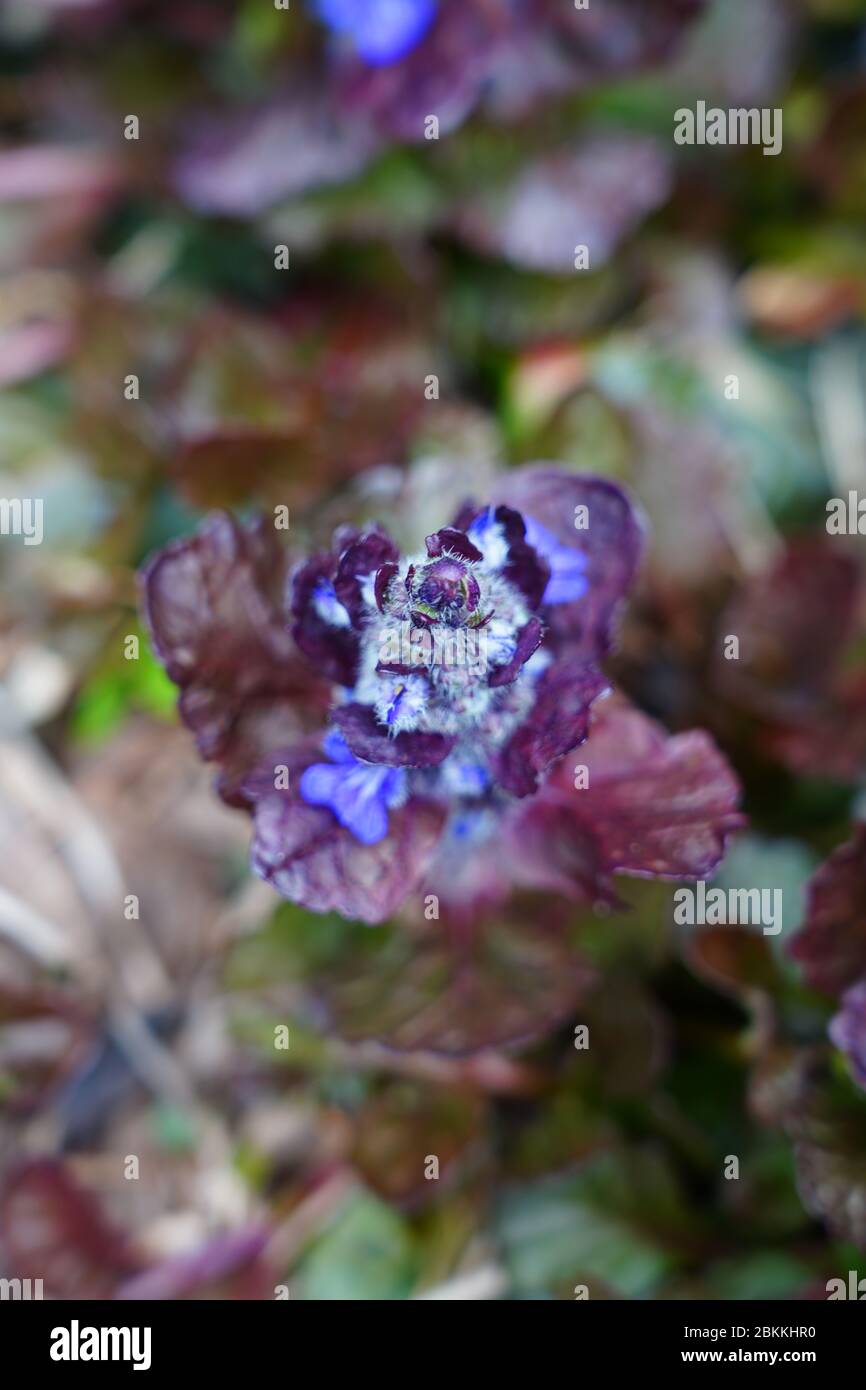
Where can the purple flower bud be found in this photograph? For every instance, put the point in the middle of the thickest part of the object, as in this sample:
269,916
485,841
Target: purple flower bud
450,587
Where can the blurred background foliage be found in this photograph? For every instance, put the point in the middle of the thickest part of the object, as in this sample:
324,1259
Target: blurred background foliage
154,1035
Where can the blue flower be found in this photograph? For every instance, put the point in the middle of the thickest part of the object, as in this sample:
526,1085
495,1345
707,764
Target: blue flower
567,580
328,606
359,794
567,564
431,748
383,31
489,536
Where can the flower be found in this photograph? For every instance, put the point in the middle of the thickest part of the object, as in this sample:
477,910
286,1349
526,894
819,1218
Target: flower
358,795
382,31
459,676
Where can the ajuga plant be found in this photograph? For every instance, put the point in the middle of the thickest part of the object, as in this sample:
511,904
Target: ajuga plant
405,725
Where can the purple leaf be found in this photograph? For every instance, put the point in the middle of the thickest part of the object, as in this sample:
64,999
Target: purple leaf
657,804
52,1229
593,197
456,992
231,1263
831,945
362,558
382,584
372,743
559,720
848,1030
245,161
648,804
528,641
793,623
457,542
620,36
610,543
213,605
324,635
312,860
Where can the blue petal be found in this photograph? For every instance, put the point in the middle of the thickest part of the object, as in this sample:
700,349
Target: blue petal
565,585
328,606
487,534
336,748
358,794
567,580
360,805
383,31
320,783
394,786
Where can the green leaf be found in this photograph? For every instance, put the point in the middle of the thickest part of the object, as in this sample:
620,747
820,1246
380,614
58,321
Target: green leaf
367,1253
119,687
586,1228
763,1274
